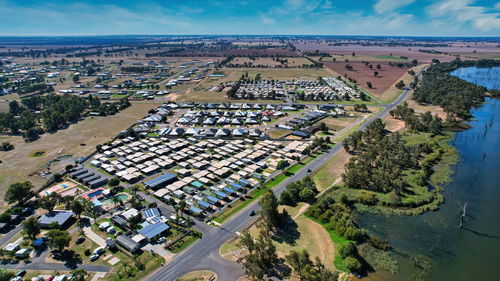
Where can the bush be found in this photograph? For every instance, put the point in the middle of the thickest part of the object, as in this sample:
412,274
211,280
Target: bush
353,264
348,250
366,197
87,252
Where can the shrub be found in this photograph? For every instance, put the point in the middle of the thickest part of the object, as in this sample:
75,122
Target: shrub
353,264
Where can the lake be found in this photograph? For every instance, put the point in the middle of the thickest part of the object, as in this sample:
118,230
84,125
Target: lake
470,253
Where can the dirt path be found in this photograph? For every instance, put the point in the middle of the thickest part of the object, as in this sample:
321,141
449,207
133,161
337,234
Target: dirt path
302,210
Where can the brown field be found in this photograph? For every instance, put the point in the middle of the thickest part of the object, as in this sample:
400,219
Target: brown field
392,93
19,163
362,74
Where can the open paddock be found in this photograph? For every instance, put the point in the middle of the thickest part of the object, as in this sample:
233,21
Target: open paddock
18,163
386,77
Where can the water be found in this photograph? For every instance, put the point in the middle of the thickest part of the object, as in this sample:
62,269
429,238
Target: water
486,77
471,253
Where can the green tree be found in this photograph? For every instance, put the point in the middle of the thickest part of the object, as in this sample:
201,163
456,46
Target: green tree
269,211
19,192
261,259
77,208
353,264
114,182
79,274
58,239
49,202
31,227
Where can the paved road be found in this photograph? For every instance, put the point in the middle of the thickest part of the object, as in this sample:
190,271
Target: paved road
204,254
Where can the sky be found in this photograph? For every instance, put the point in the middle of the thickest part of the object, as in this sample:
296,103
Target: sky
281,17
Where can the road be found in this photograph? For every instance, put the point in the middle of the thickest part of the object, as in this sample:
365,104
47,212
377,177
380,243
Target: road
204,254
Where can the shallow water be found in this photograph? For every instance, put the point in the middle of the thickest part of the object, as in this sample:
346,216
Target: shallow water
470,253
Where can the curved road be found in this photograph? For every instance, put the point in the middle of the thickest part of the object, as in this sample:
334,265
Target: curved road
204,254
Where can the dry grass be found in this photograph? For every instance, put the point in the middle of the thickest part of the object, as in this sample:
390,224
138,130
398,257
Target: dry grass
331,171
202,275
434,109
4,102
18,163
337,123
393,124
392,93
302,234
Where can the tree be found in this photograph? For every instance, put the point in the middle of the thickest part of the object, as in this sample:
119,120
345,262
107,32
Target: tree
261,259
375,73
49,202
19,192
322,127
307,270
400,85
79,274
14,107
306,194
58,239
269,211
31,227
281,165
6,275
76,78
369,84
77,208
353,264
114,182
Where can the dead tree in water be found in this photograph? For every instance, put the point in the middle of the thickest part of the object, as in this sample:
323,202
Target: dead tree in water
463,213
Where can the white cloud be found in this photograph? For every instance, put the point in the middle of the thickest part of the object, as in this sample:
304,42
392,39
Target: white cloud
384,6
266,19
462,12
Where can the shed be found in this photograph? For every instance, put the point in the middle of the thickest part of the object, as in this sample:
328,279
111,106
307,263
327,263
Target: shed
153,231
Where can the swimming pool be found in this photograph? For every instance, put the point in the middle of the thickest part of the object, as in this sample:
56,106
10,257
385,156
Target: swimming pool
95,193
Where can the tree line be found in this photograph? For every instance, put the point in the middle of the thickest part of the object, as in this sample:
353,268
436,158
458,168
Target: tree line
456,96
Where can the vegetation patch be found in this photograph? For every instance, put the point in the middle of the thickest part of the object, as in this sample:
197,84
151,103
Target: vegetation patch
38,154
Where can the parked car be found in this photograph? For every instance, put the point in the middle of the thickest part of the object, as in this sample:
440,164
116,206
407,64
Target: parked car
21,273
80,240
94,257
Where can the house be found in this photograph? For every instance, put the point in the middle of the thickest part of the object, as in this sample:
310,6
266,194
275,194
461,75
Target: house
120,221
59,218
154,231
127,243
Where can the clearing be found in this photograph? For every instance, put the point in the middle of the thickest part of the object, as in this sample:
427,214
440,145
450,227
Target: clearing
77,140
331,171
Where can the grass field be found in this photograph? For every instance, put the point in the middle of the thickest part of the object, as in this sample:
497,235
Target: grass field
19,163
375,58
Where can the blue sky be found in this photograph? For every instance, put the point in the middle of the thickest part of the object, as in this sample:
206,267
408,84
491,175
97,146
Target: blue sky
329,17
